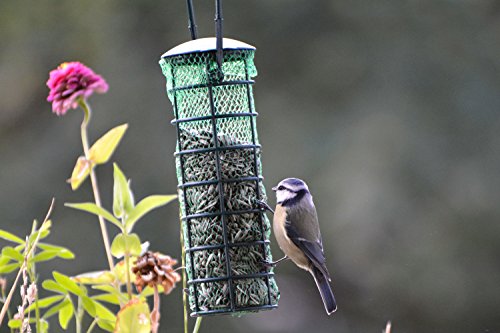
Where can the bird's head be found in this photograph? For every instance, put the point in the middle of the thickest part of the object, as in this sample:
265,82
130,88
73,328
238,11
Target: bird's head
289,189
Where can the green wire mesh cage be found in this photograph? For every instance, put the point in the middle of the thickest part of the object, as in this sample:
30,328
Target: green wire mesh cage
219,172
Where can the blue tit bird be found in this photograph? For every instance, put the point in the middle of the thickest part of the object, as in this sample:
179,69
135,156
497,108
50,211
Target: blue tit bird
296,229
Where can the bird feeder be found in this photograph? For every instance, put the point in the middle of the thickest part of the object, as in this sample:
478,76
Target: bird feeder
219,172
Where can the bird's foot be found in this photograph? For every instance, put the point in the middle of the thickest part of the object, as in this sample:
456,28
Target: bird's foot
264,206
273,263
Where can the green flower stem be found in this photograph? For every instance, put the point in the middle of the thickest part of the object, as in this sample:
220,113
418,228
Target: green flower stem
79,316
91,327
197,325
126,257
127,274
97,197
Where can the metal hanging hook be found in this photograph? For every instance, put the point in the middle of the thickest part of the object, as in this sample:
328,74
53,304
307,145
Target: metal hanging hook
193,28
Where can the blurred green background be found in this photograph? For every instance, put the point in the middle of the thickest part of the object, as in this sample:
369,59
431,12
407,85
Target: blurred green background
390,110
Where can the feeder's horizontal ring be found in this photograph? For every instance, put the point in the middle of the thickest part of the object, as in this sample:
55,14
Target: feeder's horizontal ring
232,277
217,116
216,181
221,246
182,59
225,213
212,149
229,310
208,85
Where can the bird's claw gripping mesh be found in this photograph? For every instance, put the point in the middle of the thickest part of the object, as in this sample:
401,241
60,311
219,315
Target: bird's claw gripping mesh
226,233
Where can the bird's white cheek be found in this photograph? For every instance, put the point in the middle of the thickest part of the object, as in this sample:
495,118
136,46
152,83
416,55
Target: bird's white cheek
284,195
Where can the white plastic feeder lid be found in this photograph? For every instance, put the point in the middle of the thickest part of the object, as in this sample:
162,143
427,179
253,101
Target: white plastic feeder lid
206,44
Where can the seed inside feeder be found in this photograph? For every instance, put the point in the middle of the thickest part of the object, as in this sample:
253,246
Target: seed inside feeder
242,228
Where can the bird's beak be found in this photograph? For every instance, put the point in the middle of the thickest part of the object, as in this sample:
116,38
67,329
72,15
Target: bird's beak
275,188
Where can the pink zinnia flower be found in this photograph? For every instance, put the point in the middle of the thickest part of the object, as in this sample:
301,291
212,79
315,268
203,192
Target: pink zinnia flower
69,83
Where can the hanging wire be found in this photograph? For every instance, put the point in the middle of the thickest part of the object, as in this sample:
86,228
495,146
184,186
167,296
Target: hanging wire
218,32
193,28
192,20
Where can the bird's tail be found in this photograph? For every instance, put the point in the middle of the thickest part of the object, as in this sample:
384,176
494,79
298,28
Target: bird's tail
325,290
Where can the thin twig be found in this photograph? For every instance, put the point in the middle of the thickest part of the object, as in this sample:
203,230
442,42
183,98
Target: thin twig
24,286
3,285
91,327
388,327
33,246
197,325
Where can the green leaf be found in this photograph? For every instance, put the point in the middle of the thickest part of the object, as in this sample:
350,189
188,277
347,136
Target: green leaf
133,318
4,260
107,288
15,323
111,296
89,305
56,308
68,284
145,206
122,195
10,237
48,255
100,277
96,210
44,302
103,313
51,285
5,269
106,325
126,243
120,270
118,246
102,149
65,314
44,256
44,231
44,326
11,253
80,172
108,298
62,252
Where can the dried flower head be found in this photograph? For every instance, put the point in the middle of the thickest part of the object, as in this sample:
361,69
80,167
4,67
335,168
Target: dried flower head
157,269
69,83
31,294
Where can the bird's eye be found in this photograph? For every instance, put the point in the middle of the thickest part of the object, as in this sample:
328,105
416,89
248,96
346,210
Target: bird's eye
281,188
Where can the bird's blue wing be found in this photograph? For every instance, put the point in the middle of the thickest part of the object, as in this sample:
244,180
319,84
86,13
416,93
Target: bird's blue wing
311,248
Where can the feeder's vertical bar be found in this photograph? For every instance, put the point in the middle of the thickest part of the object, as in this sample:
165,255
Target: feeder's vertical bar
219,58
218,32
192,20
181,164
256,170
221,198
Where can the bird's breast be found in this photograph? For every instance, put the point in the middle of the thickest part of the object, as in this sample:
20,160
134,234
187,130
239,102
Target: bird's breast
284,242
